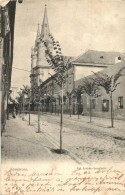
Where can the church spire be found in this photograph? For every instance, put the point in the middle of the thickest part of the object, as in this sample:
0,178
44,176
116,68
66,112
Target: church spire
38,34
45,26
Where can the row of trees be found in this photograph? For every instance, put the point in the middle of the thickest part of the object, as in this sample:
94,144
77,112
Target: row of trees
90,86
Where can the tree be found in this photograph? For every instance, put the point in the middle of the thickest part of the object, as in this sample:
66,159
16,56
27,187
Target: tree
25,91
57,61
109,83
37,94
20,101
91,89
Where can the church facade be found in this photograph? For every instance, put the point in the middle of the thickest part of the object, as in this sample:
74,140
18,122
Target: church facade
40,68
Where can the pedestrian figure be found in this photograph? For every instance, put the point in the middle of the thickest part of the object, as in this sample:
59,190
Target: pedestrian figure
14,112
17,109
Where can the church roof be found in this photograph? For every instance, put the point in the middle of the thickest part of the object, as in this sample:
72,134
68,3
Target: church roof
45,26
99,57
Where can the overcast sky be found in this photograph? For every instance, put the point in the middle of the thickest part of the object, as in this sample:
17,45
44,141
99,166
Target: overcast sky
78,25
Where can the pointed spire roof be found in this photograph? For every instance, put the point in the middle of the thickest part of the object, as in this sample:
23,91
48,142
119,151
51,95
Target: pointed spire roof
45,26
38,34
38,31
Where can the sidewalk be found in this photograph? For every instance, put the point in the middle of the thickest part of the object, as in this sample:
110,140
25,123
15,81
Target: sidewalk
97,122
85,142
21,142
104,122
119,125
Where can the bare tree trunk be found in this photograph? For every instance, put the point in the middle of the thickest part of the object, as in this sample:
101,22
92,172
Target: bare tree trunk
38,118
19,109
69,106
55,108
61,118
78,110
90,109
112,117
29,111
23,109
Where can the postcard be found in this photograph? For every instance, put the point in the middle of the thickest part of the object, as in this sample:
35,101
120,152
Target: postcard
62,66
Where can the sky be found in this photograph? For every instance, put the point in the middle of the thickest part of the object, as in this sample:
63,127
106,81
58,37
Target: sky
79,25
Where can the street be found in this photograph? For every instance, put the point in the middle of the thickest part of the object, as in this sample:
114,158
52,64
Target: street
83,142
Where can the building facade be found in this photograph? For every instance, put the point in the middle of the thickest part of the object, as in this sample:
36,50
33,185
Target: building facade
101,105
7,20
75,74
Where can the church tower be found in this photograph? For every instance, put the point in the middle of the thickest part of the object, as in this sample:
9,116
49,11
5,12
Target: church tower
40,68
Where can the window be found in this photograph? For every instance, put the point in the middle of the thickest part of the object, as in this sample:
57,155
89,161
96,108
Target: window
105,105
120,102
93,103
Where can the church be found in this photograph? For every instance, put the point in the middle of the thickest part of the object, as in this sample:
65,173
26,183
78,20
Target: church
43,76
40,68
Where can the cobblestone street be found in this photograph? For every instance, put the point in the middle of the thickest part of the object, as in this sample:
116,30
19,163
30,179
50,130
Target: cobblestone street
84,142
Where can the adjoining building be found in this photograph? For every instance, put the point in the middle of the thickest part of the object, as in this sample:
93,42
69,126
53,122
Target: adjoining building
101,105
80,68
7,20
